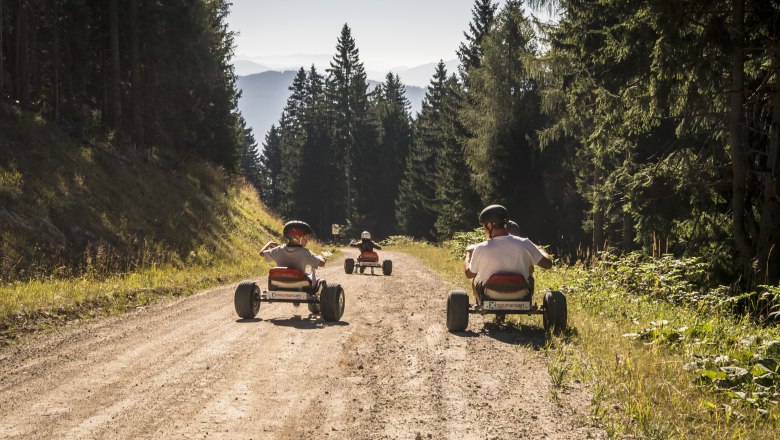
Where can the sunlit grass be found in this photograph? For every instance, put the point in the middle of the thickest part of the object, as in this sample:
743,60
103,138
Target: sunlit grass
63,296
638,389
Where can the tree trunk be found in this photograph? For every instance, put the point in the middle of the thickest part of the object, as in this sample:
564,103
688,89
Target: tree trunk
770,215
135,73
21,77
598,231
56,64
628,232
2,61
739,162
116,94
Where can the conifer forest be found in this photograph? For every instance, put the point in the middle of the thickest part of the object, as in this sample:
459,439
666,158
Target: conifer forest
640,125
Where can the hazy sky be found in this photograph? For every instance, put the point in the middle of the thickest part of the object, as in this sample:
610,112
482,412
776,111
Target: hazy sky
388,33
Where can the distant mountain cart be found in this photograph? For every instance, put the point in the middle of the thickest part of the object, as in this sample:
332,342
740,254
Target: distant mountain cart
367,260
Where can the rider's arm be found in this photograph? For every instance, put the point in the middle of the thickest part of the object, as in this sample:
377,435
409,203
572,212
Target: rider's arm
353,243
545,263
467,264
270,245
314,260
376,245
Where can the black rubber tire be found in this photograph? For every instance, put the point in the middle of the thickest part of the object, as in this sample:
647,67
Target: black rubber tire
457,311
387,267
332,303
362,269
555,312
247,299
349,265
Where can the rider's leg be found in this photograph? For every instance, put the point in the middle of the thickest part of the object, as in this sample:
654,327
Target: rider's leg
476,290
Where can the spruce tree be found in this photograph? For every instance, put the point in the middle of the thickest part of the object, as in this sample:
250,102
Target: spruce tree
457,201
292,145
502,114
470,51
416,204
271,167
249,160
395,138
352,134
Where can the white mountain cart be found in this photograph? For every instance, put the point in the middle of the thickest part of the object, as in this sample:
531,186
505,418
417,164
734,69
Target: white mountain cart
286,285
507,294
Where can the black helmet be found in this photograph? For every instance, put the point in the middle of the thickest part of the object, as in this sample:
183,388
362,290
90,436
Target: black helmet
296,229
495,214
513,228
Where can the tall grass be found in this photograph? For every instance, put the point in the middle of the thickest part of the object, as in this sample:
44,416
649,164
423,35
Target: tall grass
658,367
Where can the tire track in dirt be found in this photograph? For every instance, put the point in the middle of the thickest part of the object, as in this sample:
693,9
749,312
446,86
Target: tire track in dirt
190,368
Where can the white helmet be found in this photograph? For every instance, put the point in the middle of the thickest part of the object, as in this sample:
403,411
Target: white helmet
365,235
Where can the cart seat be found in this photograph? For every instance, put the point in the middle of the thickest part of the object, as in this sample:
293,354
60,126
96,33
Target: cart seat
287,278
509,287
370,257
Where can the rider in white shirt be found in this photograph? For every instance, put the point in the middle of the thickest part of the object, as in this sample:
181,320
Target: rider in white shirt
501,252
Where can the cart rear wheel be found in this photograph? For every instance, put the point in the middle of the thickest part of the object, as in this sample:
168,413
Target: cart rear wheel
247,299
457,311
349,265
387,267
332,303
555,312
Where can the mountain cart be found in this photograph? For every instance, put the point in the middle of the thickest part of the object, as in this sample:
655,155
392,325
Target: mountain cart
367,260
286,285
507,294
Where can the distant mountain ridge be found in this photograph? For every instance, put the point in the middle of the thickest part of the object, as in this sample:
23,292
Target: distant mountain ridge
264,95
418,76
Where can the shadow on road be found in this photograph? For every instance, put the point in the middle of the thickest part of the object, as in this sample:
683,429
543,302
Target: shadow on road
245,321
305,322
466,334
533,337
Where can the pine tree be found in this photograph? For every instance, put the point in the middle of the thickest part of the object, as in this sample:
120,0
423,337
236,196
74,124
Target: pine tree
416,204
271,168
457,201
470,51
249,160
395,138
502,114
292,144
318,163
352,133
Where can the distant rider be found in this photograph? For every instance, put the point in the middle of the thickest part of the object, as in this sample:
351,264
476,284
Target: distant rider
365,244
501,252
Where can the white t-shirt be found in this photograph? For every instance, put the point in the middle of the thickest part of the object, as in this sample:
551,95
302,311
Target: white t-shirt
504,254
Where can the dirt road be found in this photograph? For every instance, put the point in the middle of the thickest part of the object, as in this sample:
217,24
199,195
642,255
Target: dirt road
190,369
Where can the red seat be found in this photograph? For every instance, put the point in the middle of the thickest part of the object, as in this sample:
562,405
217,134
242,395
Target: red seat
287,278
370,257
506,282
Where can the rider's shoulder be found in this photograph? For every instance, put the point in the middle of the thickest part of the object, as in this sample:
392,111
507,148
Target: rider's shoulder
476,245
